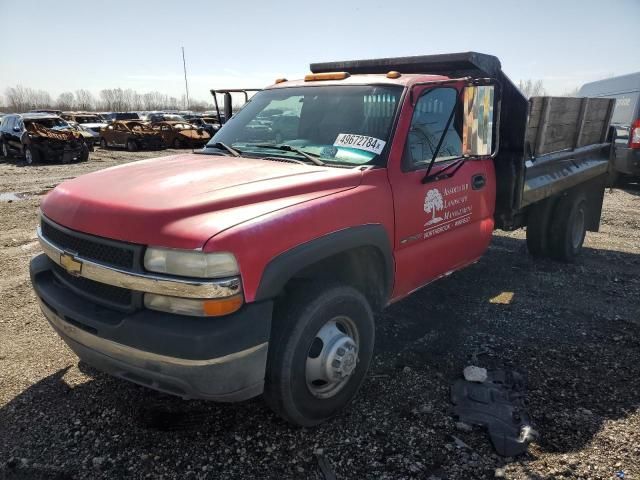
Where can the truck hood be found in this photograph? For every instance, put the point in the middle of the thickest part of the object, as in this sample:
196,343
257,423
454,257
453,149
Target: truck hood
181,201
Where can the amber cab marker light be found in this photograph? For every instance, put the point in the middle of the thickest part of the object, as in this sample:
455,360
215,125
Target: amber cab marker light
313,77
225,306
280,80
393,74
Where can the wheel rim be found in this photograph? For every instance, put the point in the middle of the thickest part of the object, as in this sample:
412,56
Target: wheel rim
332,357
28,156
577,231
5,151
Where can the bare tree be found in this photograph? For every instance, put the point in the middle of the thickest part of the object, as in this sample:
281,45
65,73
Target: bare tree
84,100
65,101
17,98
41,99
198,105
531,88
136,101
20,99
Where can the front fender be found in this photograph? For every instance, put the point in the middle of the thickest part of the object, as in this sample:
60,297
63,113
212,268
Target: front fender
283,267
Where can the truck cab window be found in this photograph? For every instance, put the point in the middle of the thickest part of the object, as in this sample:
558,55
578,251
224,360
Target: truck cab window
342,124
428,124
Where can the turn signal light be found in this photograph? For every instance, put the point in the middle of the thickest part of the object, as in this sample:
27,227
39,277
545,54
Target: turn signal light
393,74
213,307
224,306
313,77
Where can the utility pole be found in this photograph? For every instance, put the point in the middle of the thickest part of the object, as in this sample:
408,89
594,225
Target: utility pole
186,85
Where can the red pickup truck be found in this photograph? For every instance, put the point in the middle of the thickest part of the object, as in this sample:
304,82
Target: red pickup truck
255,266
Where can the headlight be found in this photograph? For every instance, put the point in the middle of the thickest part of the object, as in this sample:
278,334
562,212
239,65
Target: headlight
189,263
194,307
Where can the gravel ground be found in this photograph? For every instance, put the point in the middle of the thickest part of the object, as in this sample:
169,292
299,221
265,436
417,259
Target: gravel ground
574,330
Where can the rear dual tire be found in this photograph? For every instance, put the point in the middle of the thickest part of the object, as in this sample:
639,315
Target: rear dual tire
320,349
556,228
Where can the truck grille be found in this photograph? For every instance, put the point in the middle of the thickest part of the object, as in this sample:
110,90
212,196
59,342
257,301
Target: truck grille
102,293
126,256
84,246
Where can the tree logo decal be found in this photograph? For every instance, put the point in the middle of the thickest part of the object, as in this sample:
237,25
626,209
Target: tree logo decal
433,203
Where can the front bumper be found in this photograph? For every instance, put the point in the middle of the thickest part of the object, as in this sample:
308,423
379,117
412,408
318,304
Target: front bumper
66,154
221,358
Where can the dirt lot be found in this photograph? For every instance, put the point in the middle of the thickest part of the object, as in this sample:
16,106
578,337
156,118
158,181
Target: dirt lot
573,329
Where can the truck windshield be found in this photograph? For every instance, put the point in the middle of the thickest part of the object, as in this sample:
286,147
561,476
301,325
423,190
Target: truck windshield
339,124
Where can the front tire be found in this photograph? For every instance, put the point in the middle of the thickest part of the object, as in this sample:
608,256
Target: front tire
103,143
132,146
320,349
30,155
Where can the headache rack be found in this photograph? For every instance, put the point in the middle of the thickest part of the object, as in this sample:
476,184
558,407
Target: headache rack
227,104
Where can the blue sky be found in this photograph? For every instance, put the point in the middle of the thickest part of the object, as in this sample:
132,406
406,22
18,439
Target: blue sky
67,44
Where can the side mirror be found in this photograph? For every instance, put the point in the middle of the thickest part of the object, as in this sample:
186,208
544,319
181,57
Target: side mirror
16,129
477,132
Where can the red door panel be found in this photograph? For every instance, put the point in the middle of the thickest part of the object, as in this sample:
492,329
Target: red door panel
441,225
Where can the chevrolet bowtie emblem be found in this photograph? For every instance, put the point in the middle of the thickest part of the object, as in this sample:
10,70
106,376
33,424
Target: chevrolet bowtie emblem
70,264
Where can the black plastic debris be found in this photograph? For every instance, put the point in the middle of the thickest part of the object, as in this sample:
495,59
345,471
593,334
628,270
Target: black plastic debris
499,405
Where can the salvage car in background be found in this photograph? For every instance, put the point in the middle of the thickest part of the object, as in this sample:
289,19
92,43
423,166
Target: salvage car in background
87,119
41,137
130,134
114,116
181,134
91,138
154,117
208,124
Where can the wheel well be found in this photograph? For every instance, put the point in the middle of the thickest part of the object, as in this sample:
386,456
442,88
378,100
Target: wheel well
362,268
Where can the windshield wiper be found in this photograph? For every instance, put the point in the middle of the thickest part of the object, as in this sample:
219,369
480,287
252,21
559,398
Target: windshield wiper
224,146
288,148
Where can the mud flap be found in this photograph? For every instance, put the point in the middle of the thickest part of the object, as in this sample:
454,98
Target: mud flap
497,404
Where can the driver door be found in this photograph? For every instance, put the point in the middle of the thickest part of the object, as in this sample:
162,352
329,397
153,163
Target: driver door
442,224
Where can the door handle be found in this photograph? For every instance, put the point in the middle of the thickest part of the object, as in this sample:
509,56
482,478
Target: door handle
478,182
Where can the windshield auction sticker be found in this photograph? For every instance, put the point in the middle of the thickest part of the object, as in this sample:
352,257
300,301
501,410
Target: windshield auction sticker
360,142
